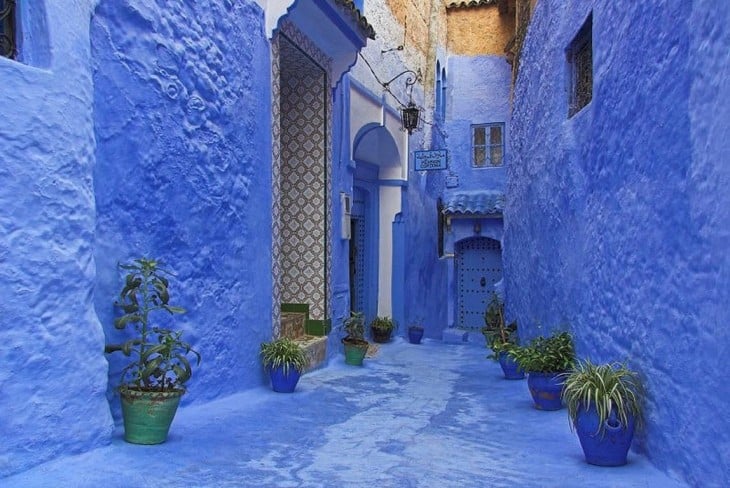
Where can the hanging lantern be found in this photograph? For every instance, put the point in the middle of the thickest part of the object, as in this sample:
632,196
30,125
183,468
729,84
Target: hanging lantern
409,117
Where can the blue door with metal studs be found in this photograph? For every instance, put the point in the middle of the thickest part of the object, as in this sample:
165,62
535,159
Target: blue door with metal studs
357,263
363,254
478,267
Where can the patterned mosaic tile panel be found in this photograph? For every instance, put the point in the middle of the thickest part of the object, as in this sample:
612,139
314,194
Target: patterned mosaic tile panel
303,89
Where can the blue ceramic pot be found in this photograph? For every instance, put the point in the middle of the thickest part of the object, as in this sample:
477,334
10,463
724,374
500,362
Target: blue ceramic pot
415,334
284,383
510,368
546,390
604,447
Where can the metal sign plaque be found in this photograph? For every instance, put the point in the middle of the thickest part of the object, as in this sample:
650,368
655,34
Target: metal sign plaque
430,160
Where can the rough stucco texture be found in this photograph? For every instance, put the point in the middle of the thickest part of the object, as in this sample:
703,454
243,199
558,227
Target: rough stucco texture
480,30
52,370
414,17
478,93
182,109
617,220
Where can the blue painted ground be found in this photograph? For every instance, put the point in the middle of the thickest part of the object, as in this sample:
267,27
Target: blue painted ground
432,415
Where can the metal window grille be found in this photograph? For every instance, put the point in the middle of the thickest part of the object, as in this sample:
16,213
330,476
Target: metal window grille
7,28
581,63
487,145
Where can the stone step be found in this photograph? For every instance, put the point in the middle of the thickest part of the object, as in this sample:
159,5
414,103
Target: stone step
315,348
293,324
455,336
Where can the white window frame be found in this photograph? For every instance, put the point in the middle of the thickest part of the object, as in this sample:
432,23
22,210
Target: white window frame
489,148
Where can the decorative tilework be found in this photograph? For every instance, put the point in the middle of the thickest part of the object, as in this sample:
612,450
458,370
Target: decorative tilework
305,44
303,179
275,188
303,200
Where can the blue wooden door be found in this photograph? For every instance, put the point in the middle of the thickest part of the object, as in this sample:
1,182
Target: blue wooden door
357,263
478,268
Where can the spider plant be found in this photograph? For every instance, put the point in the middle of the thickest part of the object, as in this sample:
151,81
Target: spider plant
613,389
283,353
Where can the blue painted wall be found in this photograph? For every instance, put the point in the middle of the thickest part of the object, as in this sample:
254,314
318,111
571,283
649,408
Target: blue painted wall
617,220
425,280
182,110
478,93
52,369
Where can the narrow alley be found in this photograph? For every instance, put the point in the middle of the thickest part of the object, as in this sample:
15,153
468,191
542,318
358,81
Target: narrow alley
397,422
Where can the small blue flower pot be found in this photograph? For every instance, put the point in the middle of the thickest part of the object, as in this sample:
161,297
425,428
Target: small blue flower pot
546,390
510,368
607,447
415,334
284,382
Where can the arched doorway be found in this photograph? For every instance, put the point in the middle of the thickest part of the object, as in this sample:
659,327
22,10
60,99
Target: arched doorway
378,199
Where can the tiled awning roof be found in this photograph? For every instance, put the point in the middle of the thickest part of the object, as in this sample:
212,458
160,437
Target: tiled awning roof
482,202
348,6
471,3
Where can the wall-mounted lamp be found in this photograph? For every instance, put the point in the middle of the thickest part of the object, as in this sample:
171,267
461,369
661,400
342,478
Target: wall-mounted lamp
410,112
409,117
477,227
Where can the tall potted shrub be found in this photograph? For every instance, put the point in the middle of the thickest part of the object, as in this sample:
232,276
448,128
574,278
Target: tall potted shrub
153,382
285,361
354,341
545,359
501,338
604,405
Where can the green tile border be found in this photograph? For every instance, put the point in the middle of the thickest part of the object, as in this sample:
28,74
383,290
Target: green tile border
297,308
318,327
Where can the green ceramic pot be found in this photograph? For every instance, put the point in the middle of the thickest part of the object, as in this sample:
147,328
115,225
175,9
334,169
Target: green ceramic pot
148,414
355,352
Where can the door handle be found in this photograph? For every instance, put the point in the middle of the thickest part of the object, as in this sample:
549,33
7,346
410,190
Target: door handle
483,281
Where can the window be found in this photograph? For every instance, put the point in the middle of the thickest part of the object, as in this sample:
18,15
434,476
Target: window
580,60
443,93
487,145
7,28
440,221
439,99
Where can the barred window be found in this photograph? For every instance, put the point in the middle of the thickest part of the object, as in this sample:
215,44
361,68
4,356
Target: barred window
580,59
7,28
487,145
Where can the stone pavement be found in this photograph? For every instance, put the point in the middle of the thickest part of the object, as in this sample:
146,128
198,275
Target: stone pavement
430,415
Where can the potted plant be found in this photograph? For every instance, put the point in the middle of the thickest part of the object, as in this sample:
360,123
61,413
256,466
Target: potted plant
354,341
604,405
382,328
153,382
415,333
544,359
501,338
285,361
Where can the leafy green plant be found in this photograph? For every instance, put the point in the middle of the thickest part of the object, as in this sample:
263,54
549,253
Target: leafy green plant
500,337
354,327
612,388
553,354
283,352
160,355
383,324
